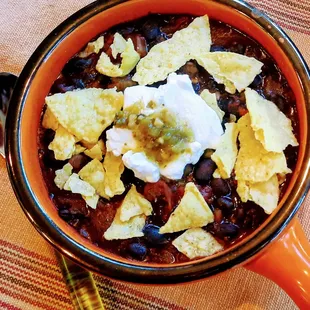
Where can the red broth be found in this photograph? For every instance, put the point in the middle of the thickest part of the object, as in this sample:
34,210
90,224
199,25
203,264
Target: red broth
234,220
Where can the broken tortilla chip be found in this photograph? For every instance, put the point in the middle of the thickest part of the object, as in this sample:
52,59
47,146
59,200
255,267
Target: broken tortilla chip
128,54
254,163
63,144
49,120
114,167
211,101
92,47
168,56
196,242
93,173
264,194
77,186
62,175
272,128
125,230
134,204
234,70
96,151
79,149
86,113
119,45
192,212
91,201
226,152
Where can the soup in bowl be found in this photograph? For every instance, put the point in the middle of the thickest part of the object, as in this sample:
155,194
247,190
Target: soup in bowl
161,142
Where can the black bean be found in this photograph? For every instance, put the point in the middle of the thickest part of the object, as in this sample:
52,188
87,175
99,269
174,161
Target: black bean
220,187
50,161
206,192
78,83
150,29
65,214
204,169
196,87
152,235
79,213
228,229
85,233
280,102
137,251
225,203
187,170
224,102
223,230
216,48
48,136
59,87
258,81
126,30
76,65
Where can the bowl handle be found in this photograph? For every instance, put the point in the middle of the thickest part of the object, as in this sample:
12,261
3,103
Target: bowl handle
287,263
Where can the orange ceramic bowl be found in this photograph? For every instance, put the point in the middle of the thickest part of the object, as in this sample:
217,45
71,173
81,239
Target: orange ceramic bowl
23,164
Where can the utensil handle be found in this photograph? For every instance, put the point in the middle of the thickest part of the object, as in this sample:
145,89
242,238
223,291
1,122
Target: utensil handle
287,263
81,285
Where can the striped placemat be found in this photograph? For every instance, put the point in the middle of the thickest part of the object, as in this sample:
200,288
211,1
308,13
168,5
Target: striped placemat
30,277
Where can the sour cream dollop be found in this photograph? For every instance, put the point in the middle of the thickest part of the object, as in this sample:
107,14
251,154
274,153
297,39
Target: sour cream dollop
180,99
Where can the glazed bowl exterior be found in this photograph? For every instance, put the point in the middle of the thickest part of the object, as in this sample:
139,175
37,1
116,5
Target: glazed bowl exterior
43,68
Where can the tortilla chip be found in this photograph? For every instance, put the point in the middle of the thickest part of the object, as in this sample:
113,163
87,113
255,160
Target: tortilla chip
114,168
168,56
92,47
192,212
119,45
196,242
134,204
93,173
77,186
216,174
91,201
63,144
49,120
62,175
211,101
129,59
226,153
281,178
102,147
264,194
86,113
96,151
125,230
254,163
233,70
272,128
79,149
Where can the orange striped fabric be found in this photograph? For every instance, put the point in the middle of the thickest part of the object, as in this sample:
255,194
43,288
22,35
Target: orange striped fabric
30,277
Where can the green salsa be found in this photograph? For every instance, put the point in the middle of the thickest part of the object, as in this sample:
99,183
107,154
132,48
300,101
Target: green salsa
161,135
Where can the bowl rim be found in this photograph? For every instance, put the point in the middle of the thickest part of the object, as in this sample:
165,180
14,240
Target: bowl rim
127,271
